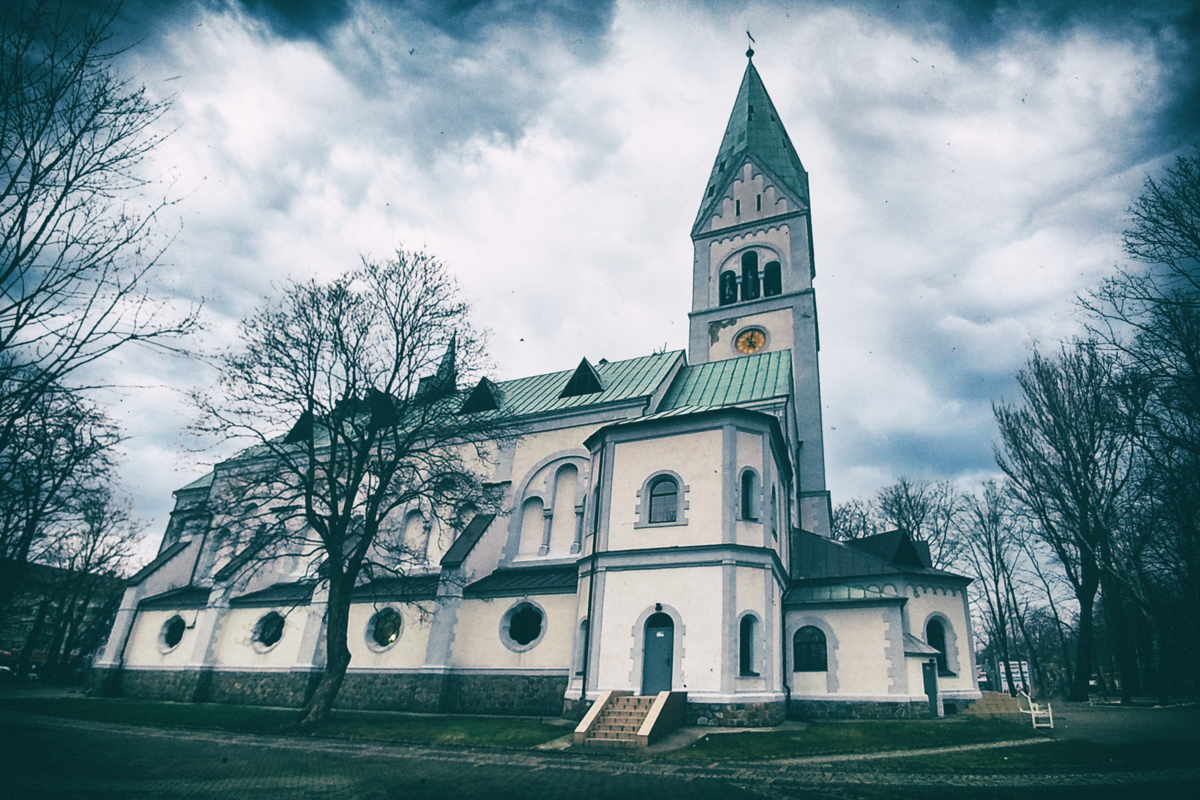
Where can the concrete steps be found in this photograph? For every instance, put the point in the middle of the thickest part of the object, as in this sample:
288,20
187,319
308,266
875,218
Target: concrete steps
995,705
619,722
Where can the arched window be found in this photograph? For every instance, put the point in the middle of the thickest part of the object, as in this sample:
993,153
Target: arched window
808,650
935,634
750,275
772,279
728,287
748,633
664,500
749,495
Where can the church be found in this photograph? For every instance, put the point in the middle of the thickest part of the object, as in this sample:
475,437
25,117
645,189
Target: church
664,532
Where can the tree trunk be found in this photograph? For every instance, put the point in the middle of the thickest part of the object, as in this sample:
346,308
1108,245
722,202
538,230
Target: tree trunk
1160,674
1085,645
35,633
1119,638
337,656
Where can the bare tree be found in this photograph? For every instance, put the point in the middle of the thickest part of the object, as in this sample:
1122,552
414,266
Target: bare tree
927,510
76,250
91,552
346,391
59,450
991,549
854,519
1066,452
1149,313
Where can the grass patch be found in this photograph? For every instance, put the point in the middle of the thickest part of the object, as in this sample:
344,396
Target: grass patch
861,737
413,729
1069,755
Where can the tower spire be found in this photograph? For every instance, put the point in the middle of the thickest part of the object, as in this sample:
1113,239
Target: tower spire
754,130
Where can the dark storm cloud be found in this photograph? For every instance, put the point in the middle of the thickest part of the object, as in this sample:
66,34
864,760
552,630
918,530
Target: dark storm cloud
318,20
976,27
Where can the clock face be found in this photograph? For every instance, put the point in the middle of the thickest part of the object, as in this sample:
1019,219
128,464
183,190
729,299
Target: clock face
750,340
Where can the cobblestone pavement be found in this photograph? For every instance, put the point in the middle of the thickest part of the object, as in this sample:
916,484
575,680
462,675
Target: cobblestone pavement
66,759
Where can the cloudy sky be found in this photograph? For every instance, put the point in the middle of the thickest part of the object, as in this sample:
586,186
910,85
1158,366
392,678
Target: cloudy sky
970,167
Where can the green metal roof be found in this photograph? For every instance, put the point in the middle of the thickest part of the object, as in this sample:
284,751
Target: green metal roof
200,483
735,381
622,380
754,129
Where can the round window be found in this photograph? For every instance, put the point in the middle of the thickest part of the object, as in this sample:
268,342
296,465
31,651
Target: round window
172,633
383,630
523,627
268,631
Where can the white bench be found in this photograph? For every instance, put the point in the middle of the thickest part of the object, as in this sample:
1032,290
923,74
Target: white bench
1040,717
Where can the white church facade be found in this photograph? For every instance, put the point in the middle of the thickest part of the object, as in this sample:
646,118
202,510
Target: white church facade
665,526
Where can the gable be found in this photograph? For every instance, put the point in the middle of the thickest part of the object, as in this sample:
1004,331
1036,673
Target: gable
585,380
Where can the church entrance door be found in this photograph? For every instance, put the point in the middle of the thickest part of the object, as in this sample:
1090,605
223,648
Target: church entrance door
658,658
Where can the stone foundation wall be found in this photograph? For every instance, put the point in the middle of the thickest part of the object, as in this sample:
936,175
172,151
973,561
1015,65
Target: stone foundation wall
540,695
575,709
517,695
177,685
737,715
841,709
286,689
381,691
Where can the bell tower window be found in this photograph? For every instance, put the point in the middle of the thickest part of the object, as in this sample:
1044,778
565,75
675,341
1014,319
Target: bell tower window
750,276
728,287
772,279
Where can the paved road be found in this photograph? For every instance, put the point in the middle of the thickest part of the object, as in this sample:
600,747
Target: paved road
69,760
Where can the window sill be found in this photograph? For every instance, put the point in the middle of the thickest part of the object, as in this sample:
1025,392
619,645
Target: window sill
638,525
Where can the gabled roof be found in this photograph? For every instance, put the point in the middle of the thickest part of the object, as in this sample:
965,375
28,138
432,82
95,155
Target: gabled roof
185,597
754,130
733,381
817,558
486,396
895,547
514,582
585,380
281,594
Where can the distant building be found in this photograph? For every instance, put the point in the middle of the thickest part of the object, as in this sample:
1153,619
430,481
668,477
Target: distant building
665,526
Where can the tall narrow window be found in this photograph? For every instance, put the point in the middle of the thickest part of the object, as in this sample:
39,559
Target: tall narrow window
737,207
772,279
750,276
664,500
758,202
935,634
749,488
746,646
728,287
808,650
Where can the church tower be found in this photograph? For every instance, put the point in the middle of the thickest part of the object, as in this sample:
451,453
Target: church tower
753,272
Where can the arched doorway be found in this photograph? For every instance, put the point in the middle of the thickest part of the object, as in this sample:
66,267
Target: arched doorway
658,655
